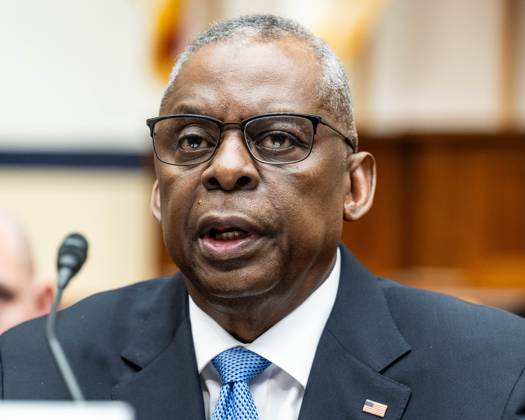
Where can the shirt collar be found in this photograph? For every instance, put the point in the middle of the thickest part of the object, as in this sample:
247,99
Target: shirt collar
296,334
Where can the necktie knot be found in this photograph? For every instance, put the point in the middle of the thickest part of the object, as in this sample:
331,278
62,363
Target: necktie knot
239,365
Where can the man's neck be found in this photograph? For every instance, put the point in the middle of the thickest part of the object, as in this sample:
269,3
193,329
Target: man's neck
247,318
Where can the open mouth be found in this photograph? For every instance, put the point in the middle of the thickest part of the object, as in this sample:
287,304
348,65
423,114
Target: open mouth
227,234
229,237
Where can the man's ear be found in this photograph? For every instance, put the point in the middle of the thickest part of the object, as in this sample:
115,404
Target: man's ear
362,186
43,298
154,203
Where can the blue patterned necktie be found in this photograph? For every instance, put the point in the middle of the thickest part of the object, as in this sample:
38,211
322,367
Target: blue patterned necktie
237,367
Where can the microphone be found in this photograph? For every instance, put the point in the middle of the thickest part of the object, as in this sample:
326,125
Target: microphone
71,256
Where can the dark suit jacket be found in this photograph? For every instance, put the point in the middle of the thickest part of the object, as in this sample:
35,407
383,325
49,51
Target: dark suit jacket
427,356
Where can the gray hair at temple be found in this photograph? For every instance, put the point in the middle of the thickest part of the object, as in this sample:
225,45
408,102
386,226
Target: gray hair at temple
334,89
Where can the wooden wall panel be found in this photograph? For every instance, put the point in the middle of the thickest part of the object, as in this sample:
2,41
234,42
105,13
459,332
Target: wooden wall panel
458,207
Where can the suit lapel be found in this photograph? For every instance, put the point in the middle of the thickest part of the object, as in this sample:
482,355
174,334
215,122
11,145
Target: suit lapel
164,383
360,341
339,385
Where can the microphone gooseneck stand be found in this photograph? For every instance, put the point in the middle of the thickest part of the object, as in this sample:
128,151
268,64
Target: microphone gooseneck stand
58,352
71,256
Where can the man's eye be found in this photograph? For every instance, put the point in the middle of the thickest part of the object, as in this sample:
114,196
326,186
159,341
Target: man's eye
193,143
277,141
6,295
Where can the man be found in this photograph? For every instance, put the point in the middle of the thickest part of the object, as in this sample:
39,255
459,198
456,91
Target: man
257,166
21,296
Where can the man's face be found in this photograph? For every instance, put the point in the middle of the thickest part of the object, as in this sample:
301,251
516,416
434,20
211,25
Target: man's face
235,227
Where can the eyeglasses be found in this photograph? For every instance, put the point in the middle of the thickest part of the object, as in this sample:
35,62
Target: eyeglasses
276,138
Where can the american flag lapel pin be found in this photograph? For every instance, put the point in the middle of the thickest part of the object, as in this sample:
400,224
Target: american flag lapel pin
375,408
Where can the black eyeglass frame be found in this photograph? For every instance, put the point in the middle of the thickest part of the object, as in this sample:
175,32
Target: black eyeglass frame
314,119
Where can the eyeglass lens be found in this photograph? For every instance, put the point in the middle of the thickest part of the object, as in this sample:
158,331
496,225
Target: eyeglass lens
279,139
273,139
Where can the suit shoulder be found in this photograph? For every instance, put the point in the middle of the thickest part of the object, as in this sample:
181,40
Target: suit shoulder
416,310
142,290
101,312
93,333
459,352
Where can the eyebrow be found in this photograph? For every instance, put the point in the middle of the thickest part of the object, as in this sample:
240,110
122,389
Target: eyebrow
186,109
190,109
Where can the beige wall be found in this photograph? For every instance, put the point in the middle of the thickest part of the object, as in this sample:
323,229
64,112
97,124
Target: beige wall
436,66
76,74
520,71
109,207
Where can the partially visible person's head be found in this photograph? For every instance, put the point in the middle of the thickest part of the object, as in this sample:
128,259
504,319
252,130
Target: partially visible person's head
21,296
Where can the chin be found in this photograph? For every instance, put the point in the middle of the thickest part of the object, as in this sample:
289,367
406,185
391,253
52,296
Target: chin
236,284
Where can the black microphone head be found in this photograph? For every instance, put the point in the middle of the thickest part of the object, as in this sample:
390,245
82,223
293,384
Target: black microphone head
72,253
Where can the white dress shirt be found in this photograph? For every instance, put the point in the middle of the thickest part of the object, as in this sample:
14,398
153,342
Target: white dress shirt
289,345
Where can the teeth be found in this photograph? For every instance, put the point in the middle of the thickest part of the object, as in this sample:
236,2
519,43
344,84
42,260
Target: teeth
228,236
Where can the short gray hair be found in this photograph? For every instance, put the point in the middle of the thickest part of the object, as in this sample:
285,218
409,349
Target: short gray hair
334,89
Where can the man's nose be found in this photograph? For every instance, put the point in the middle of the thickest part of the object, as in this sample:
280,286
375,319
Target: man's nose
232,166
